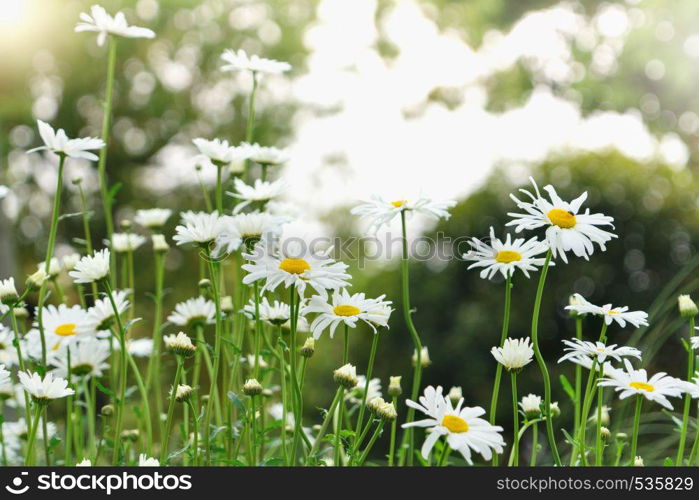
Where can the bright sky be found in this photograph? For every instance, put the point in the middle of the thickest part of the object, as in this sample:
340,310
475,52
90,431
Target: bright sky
440,152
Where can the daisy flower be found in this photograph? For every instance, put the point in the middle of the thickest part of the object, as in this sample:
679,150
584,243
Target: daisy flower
193,312
690,387
179,344
514,353
695,341
268,156
219,152
382,212
566,228
100,22
577,347
531,405
68,262
200,228
8,292
4,376
88,358
260,191
239,60
44,390
54,267
101,315
8,353
294,264
465,431
347,309
152,218
630,382
619,314
247,228
275,313
59,143
126,242
140,348
506,256
91,268
586,362
63,325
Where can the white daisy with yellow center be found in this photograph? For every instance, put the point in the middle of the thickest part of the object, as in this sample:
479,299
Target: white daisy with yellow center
629,382
505,256
348,309
567,229
382,212
610,313
577,347
464,430
294,263
63,325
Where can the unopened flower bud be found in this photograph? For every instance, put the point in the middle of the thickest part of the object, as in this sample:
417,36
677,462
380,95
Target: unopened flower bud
622,436
531,406
346,376
8,292
252,387
180,345
37,279
227,304
455,394
130,435
555,410
688,309
374,404
204,285
308,347
638,462
424,357
107,410
394,388
605,433
604,413
575,300
183,393
125,225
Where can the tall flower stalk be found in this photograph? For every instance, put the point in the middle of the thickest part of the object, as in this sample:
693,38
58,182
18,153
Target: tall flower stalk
687,397
542,363
498,369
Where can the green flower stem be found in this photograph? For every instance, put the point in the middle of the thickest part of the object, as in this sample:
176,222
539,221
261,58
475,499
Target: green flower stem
218,195
636,424
132,282
542,363
577,404
45,430
29,458
370,445
284,395
687,399
518,437
195,427
515,416
296,396
49,254
91,417
326,421
341,412
18,347
535,445
444,455
69,412
394,427
498,368
153,377
144,401
171,411
599,444
408,435
102,163
214,272
258,329
122,374
587,402
369,371
253,432
695,447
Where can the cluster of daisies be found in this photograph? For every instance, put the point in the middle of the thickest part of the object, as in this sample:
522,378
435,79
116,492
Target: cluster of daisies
233,356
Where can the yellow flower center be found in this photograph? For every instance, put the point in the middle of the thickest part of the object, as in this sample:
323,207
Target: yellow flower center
455,424
346,310
642,386
66,330
507,256
561,218
399,203
294,266
612,311
600,349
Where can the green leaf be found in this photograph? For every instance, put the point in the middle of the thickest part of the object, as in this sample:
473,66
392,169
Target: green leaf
571,440
105,390
567,387
237,402
276,461
668,462
68,216
111,195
